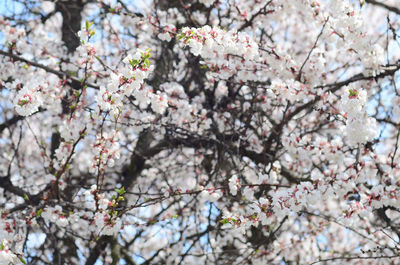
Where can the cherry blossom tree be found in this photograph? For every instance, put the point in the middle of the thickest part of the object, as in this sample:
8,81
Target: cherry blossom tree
199,132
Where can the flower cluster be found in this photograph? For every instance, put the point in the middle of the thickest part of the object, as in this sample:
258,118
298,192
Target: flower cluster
359,127
129,81
225,53
107,150
347,24
6,255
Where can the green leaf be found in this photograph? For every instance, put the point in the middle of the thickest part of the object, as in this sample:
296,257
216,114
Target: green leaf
120,191
353,92
134,62
98,59
88,24
22,102
22,260
39,213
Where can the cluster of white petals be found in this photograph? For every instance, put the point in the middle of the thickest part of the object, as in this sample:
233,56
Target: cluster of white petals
359,127
226,53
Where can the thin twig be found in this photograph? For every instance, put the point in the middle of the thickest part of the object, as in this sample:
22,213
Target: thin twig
312,49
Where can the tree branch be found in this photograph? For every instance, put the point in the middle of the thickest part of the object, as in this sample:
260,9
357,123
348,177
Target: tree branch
390,8
74,83
10,122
